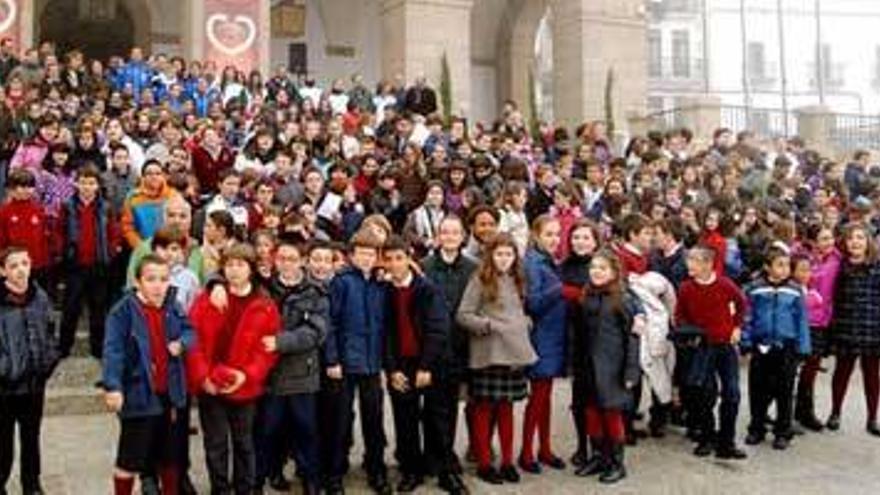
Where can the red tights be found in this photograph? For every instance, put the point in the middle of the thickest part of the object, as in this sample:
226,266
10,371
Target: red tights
605,423
870,376
537,419
484,411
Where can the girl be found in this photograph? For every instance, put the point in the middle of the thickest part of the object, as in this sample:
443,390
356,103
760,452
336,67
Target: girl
566,209
546,306
712,237
423,223
854,331
456,183
264,246
583,242
819,277
492,311
607,356
513,215
228,367
218,235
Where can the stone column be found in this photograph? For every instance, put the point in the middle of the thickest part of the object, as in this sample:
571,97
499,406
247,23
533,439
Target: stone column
416,34
814,126
702,115
591,37
228,32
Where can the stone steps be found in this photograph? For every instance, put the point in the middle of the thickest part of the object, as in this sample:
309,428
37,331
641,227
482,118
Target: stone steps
72,390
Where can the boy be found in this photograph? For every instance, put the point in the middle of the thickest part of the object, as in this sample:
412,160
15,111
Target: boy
23,223
289,409
169,243
30,353
90,240
716,306
416,352
776,333
144,377
228,199
451,270
669,257
353,357
637,233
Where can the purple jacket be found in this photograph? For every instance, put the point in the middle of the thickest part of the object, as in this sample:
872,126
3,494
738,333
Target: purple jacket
824,277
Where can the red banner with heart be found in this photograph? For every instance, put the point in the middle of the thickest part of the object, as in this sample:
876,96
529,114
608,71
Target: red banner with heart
233,32
10,18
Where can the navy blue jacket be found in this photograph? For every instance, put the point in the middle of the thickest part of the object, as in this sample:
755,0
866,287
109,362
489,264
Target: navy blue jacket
431,320
355,338
72,230
127,358
28,347
546,306
777,317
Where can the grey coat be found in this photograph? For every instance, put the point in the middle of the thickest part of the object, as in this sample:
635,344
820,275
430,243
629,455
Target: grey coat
500,329
305,313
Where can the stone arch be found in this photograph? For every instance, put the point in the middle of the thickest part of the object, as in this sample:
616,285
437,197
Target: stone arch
518,56
140,13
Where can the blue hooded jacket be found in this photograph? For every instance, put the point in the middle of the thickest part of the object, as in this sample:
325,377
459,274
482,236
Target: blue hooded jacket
546,306
358,309
777,317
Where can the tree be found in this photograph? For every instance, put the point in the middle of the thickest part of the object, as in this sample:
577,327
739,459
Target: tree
445,89
609,101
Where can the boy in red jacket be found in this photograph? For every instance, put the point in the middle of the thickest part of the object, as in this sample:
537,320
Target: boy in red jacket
23,223
228,368
714,304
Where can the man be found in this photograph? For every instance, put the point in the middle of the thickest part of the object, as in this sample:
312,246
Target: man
420,98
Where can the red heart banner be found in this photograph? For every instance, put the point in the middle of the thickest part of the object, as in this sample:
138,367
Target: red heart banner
234,32
10,15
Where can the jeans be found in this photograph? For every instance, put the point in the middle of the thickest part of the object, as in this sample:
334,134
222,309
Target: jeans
27,412
369,389
84,286
721,365
222,420
288,423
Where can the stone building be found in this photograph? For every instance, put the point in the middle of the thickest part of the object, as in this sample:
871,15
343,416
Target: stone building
492,46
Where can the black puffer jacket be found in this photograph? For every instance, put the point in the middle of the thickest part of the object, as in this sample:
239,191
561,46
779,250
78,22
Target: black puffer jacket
305,314
452,278
28,345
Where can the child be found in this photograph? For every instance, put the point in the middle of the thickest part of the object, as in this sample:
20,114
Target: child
23,223
28,351
90,239
817,274
219,234
608,354
353,355
228,368
421,225
169,244
289,409
775,333
712,237
855,334
513,216
716,306
142,211
415,358
264,246
566,210
637,233
144,377
546,306
492,310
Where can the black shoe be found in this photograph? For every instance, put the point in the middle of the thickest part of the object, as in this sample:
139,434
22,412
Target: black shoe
873,429
796,430
509,474
552,462
781,442
594,465
452,484
334,487
186,486
490,475
310,487
730,452
754,438
409,483
37,490
658,431
531,467
150,485
380,485
811,422
455,464
703,449
279,483
833,422
579,458
614,471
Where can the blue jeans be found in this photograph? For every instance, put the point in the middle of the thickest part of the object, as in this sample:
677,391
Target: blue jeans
288,423
720,364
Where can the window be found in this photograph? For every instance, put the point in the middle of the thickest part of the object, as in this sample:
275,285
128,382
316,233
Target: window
826,68
681,53
655,53
757,64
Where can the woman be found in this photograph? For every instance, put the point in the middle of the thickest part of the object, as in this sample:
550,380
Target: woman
492,310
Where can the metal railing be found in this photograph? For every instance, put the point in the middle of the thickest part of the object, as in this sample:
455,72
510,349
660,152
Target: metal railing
850,132
676,69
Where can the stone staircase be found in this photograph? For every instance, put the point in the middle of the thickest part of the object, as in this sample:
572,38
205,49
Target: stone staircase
72,390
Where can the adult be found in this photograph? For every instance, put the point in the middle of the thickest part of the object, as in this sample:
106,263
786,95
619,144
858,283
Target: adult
421,98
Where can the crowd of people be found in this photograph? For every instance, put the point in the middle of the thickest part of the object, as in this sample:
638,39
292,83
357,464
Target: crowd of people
264,250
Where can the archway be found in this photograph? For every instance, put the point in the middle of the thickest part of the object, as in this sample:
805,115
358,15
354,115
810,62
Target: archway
99,28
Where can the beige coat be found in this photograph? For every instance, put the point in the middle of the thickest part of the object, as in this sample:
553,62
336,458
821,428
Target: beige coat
499,330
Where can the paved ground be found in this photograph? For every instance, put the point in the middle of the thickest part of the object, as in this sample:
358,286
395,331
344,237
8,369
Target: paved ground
79,450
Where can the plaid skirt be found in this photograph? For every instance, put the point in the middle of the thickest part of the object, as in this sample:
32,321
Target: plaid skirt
499,383
819,341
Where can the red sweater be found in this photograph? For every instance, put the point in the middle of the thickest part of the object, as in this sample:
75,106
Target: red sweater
23,223
407,337
158,353
718,308
207,168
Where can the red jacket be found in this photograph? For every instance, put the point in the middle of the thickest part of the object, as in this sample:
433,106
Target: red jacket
24,223
207,168
246,352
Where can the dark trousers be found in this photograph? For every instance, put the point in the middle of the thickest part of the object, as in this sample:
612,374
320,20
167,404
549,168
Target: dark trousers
719,364
26,411
370,401
84,286
771,379
118,273
288,423
451,389
223,421
416,411
687,393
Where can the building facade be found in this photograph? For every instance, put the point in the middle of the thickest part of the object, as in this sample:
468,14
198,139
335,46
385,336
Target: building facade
491,45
